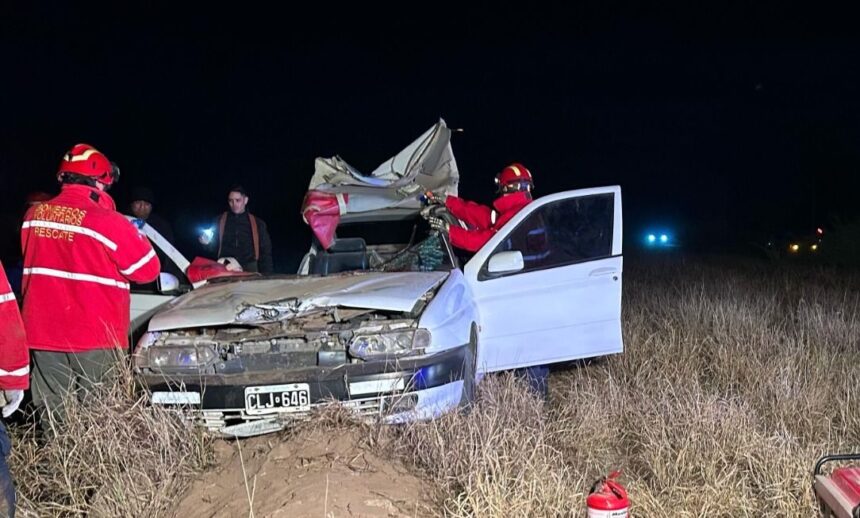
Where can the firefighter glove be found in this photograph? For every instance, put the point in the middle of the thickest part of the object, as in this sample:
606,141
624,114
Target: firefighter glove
437,224
13,401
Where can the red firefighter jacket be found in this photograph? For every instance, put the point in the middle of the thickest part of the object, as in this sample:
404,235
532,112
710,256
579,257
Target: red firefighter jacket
79,256
14,359
484,221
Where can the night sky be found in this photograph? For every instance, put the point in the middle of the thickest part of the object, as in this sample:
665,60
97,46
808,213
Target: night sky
723,122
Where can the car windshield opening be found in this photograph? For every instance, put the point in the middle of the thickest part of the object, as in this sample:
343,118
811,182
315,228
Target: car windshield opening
383,246
427,255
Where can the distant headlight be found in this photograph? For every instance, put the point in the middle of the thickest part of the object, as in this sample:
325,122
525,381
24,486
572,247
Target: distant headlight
658,239
794,247
393,343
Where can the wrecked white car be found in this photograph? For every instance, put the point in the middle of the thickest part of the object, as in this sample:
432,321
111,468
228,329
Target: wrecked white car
387,318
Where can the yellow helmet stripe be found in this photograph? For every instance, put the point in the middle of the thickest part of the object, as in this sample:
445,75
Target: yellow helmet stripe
83,156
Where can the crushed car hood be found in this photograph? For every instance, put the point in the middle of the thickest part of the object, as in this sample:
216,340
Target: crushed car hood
221,303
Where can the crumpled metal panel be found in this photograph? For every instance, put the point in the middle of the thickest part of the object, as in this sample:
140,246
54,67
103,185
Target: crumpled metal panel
221,303
426,164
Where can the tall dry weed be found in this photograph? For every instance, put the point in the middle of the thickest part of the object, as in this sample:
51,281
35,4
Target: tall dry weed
735,378
113,455
496,460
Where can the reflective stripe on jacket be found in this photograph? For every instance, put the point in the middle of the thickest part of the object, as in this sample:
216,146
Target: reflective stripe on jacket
80,256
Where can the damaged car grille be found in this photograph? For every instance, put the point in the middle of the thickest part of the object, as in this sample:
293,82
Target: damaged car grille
319,340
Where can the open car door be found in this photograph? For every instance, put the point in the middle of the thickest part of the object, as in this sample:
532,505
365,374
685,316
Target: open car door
144,303
548,284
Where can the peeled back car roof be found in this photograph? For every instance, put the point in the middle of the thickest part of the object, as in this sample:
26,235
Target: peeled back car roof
339,193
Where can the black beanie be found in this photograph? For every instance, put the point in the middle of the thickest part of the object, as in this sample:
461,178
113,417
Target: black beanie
142,194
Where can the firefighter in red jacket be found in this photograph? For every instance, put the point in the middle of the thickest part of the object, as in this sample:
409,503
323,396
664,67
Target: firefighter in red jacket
80,255
14,379
514,185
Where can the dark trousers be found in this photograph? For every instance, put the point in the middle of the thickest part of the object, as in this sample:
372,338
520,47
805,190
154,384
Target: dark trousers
7,504
537,378
57,374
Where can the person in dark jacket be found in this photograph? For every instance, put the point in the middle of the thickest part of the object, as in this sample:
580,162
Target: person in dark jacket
142,202
241,235
141,208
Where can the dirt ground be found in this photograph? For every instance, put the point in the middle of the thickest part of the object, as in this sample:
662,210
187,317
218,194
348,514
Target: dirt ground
322,473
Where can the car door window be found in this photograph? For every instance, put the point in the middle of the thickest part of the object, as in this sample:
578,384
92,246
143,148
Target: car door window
567,231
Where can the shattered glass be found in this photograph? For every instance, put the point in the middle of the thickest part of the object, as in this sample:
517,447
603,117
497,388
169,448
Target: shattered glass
427,255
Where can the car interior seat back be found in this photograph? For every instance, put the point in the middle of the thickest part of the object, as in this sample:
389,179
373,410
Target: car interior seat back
345,254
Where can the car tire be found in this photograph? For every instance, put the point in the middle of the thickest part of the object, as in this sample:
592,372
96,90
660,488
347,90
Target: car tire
470,367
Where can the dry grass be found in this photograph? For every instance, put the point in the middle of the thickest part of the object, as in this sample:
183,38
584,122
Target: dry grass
734,380
500,459
112,456
736,377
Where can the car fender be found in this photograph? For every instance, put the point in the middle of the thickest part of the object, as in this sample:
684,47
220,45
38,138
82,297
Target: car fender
451,313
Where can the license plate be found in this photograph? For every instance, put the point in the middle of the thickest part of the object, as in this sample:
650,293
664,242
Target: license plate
270,399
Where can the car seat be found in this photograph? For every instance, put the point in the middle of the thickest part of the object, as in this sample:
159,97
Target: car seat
345,254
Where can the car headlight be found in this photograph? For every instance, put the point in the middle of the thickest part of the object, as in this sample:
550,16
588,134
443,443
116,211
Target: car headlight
174,358
393,343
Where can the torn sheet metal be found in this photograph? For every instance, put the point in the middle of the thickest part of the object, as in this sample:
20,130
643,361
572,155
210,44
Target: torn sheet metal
339,193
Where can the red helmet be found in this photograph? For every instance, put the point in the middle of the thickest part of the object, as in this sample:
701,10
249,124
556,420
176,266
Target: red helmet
516,177
85,160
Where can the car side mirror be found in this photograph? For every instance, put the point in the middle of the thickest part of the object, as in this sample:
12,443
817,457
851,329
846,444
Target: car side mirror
167,282
505,262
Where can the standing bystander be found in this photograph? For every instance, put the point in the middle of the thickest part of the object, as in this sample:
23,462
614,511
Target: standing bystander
242,235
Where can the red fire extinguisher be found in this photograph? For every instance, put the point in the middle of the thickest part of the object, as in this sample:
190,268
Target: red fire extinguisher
608,498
